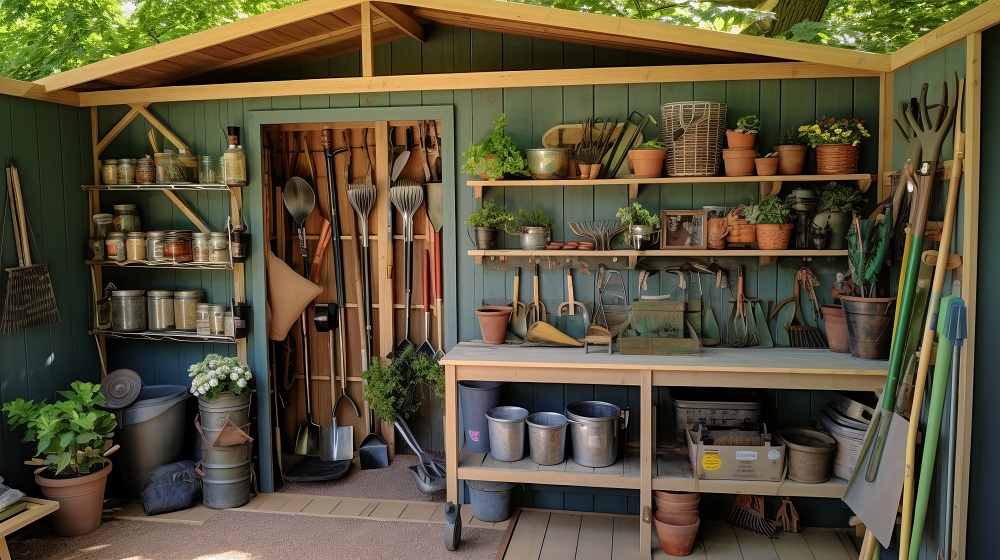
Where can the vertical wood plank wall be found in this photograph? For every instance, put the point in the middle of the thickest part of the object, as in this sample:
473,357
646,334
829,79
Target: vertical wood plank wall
51,145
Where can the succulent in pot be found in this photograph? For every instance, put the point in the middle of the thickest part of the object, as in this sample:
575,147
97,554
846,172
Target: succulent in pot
792,152
647,158
496,155
772,219
643,226
837,202
534,228
488,221
745,133
767,164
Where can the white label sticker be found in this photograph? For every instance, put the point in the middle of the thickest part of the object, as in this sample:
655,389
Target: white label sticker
746,455
774,454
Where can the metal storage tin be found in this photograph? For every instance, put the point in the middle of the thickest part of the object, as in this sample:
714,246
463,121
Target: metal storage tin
128,310
186,309
160,310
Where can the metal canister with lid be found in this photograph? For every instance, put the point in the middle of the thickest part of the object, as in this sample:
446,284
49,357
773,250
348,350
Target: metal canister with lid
128,310
145,171
204,319
114,245
126,171
127,218
218,319
154,245
201,251
186,309
135,245
160,310
177,246
218,242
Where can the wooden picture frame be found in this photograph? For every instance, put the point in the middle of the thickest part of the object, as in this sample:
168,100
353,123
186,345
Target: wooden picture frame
689,229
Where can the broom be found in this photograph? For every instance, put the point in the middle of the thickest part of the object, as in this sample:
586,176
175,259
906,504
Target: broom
29,300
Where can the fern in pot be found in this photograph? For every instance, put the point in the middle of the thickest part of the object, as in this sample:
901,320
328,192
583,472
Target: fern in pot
496,155
836,204
771,216
534,228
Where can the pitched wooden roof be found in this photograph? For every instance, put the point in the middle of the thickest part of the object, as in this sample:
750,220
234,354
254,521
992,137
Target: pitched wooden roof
320,29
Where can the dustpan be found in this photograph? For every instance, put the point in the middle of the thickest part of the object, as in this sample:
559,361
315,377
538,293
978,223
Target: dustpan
542,333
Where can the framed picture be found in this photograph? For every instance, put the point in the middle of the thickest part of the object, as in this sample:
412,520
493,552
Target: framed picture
683,229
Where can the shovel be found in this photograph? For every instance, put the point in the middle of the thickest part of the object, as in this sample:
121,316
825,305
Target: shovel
567,320
426,348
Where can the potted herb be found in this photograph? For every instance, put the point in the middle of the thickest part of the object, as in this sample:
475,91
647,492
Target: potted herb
745,133
869,318
767,165
488,221
836,204
73,438
495,156
771,217
643,226
836,142
534,227
647,158
792,151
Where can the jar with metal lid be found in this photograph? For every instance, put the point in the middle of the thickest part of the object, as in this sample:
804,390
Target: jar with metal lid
114,247
126,171
102,225
186,309
210,170
218,242
160,310
154,245
109,172
128,310
239,245
204,321
201,251
177,246
218,319
145,171
135,245
127,218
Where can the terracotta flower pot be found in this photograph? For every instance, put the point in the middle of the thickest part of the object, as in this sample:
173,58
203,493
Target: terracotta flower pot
677,540
791,158
647,163
739,161
677,497
81,501
666,507
677,518
493,321
766,166
736,139
774,236
741,233
836,328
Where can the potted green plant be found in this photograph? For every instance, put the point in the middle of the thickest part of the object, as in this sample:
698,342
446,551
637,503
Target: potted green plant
836,142
771,217
534,227
767,164
488,221
745,133
73,437
792,151
496,155
869,318
836,204
647,158
643,226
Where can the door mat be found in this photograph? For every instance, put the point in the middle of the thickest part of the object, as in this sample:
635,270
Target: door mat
196,515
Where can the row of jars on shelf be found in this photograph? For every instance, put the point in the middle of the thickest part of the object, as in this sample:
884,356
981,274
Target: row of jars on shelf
181,310
167,167
168,246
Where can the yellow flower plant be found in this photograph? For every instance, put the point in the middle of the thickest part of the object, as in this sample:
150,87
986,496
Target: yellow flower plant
834,131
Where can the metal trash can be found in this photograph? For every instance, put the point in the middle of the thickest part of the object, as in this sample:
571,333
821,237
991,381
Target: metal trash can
152,433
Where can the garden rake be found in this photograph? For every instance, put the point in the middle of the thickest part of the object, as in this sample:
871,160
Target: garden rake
742,335
748,513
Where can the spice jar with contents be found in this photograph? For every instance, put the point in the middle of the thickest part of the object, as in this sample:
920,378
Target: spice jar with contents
160,310
145,171
109,172
114,246
201,252
135,245
204,320
128,310
177,246
239,245
127,218
102,225
218,318
154,245
126,171
210,170
234,160
186,309
219,247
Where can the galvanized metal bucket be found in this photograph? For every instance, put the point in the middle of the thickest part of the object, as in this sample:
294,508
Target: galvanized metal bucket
214,414
547,438
594,432
506,426
534,238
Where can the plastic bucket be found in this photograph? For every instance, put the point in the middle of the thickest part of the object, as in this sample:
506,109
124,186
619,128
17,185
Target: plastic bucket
475,398
810,454
214,414
152,433
594,432
506,427
490,500
547,438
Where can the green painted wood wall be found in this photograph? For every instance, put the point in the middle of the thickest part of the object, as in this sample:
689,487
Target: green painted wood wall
51,145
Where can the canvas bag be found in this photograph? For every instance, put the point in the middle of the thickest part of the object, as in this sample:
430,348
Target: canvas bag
172,487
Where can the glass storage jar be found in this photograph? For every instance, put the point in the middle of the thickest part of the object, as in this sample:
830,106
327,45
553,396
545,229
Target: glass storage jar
109,171
218,319
160,310
128,310
126,171
204,321
177,246
127,218
201,251
145,171
135,245
218,242
154,245
210,170
186,309
114,246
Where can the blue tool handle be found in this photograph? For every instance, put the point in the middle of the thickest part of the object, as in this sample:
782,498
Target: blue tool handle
956,328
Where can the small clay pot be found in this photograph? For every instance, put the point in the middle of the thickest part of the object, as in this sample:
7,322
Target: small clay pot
739,161
736,139
677,518
676,508
493,321
677,540
791,158
677,497
774,236
766,166
647,163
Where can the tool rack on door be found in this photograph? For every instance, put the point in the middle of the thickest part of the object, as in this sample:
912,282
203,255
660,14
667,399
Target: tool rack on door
366,141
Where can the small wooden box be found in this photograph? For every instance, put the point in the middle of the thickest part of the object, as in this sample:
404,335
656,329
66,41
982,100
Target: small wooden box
645,346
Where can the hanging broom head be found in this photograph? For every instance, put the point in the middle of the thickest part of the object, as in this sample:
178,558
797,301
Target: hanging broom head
748,513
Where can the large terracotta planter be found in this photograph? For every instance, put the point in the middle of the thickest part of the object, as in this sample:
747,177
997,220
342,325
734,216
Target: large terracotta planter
739,161
736,139
493,321
647,163
676,540
836,328
791,158
774,236
81,501
837,159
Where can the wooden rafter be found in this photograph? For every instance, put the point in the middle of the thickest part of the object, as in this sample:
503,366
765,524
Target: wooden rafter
399,18
367,50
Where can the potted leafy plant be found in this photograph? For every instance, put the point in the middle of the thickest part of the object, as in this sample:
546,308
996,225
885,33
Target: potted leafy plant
643,226
73,438
767,164
647,158
496,155
488,221
771,217
792,151
836,204
534,227
869,318
745,133
836,142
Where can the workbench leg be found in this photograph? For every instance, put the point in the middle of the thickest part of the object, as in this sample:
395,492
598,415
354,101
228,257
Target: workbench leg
647,448
4,553
451,443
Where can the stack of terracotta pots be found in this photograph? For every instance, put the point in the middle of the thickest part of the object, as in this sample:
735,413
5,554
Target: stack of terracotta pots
677,520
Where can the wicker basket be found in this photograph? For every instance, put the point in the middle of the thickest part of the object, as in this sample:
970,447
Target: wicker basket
700,131
837,159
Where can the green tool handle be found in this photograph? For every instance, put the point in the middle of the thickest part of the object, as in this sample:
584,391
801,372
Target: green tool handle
896,357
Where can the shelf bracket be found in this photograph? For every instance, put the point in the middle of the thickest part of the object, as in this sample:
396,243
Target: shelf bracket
198,223
477,191
768,261
770,187
864,184
633,191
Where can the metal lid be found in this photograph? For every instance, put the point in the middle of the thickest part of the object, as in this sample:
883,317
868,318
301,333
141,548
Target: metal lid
125,207
156,234
109,162
120,388
128,293
116,234
135,235
126,161
188,294
217,307
221,234
103,217
160,294
199,235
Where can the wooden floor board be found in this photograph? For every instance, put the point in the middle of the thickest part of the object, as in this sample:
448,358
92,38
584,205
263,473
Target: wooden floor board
626,540
322,505
825,545
387,510
755,546
720,542
792,546
529,533
296,504
418,511
561,537
596,537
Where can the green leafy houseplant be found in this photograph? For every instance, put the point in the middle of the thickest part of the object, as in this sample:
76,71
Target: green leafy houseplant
652,144
837,197
749,124
536,217
636,215
496,155
73,434
770,210
390,384
491,216
867,244
216,375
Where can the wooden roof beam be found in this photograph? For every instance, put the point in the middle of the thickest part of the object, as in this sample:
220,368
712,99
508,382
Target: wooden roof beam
400,19
367,40
29,90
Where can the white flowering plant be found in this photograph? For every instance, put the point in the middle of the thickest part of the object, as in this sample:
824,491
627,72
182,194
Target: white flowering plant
216,375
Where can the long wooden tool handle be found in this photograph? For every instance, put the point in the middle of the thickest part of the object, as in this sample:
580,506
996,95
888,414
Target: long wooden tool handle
569,291
534,283
15,227
21,220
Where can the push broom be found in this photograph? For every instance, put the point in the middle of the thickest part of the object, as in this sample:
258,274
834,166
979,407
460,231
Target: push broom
29,300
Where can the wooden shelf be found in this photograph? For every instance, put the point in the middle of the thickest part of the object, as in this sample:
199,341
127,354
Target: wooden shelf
176,336
624,473
158,264
159,187
769,184
628,259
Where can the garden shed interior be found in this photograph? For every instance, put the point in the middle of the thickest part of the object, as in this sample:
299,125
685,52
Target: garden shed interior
374,73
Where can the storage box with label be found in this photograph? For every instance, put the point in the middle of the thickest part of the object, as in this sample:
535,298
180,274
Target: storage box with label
735,455
714,407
